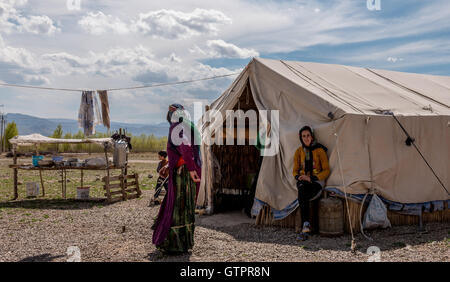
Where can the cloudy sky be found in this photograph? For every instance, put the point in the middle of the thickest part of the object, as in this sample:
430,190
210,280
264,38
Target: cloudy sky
114,43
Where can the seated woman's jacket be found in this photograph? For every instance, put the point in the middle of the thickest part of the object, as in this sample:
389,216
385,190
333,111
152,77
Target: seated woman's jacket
321,169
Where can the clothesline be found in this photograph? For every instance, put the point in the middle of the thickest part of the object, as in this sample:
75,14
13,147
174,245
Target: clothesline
123,88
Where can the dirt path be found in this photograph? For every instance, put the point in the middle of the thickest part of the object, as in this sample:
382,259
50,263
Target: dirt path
121,232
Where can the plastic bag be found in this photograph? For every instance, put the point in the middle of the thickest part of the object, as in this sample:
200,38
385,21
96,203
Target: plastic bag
376,214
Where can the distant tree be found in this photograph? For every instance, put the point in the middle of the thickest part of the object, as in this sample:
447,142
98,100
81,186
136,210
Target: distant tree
10,132
66,147
57,134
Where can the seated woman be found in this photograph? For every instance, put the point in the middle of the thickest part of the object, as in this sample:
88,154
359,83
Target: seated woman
310,170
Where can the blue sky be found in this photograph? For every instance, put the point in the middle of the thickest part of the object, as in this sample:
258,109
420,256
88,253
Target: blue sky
114,43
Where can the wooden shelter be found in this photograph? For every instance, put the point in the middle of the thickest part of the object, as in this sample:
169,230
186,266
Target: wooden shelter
126,190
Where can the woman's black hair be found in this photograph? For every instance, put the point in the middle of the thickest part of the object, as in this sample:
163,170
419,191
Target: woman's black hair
163,154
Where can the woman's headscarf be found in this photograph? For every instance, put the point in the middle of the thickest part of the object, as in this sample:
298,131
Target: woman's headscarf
309,166
177,115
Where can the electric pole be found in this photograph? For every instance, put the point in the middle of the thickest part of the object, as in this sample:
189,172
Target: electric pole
2,128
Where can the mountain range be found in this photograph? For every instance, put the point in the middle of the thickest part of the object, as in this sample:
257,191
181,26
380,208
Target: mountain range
27,124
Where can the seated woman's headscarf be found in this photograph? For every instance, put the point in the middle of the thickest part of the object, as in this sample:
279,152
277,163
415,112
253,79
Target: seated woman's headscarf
308,149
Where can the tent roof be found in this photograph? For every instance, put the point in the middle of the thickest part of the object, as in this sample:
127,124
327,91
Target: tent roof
32,139
364,91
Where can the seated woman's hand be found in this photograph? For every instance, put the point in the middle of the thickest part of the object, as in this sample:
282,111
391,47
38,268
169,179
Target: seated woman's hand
305,178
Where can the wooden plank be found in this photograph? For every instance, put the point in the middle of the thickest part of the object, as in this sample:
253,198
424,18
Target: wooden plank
137,185
16,193
42,183
132,176
112,186
131,184
106,186
29,167
122,184
112,178
118,192
131,190
116,199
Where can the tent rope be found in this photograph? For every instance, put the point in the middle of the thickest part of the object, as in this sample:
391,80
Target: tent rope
420,153
409,89
353,245
371,189
360,216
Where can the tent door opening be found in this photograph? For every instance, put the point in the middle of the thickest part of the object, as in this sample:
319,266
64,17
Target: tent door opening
236,166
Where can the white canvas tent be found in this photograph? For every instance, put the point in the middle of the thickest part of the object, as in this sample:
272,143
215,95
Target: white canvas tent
348,107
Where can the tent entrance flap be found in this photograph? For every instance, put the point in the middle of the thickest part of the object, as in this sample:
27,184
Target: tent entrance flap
235,171
237,161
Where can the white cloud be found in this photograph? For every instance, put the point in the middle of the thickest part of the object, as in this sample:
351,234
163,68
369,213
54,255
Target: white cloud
168,24
18,57
99,23
175,24
221,49
37,25
13,20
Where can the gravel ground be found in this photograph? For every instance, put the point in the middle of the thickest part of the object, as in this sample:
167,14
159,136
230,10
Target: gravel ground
121,232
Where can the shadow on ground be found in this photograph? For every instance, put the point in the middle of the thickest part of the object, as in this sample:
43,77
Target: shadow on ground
157,255
56,204
242,228
41,258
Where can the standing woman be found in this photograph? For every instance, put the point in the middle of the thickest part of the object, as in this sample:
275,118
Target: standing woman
311,169
174,226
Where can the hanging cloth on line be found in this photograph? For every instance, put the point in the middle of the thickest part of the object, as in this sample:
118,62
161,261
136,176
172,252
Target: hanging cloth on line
98,114
86,113
103,95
